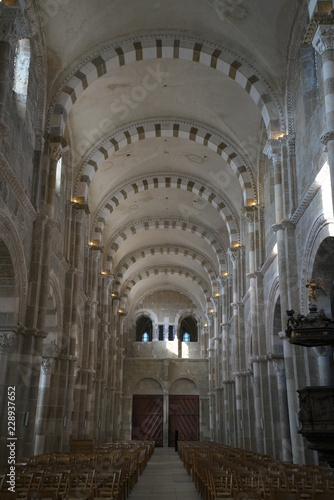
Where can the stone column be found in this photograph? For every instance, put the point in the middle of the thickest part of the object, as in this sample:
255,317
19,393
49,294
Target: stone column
325,375
7,339
73,292
323,43
297,444
47,399
273,151
103,358
284,436
212,401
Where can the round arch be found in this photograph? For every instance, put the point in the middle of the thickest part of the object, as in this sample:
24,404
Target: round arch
167,128
153,223
176,250
148,47
172,181
320,231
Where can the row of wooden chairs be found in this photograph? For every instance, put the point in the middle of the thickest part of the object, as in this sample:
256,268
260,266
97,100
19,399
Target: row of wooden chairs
224,472
111,472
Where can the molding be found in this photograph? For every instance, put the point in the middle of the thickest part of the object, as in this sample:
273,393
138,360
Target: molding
305,203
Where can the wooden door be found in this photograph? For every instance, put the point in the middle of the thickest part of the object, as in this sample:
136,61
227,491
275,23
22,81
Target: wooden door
183,418
147,418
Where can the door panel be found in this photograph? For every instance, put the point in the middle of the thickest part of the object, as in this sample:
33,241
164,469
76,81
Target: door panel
183,418
147,418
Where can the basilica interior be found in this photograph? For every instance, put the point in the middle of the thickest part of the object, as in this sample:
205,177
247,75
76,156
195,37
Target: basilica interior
166,224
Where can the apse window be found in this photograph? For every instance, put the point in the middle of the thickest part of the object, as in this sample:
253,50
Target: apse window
145,337
21,74
186,337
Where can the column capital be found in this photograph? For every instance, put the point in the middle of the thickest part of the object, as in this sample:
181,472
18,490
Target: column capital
281,226
223,281
273,149
318,19
323,38
57,146
48,365
80,207
327,137
249,212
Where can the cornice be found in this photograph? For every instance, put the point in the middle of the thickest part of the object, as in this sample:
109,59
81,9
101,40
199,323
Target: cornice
305,203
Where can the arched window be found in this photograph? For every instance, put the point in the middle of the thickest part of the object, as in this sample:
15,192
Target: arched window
188,330
21,74
144,329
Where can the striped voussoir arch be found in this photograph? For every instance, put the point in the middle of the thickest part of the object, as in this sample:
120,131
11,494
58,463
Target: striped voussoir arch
152,224
167,271
170,128
172,181
177,250
164,46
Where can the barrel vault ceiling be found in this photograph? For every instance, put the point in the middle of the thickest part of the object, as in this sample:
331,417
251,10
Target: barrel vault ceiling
166,107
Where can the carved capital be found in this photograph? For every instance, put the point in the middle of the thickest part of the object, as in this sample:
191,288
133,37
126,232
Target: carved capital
48,364
57,146
323,39
327,137
6,342
249,212
318,19
279,366
273,150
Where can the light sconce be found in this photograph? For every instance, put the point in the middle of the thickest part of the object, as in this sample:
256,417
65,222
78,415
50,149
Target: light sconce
121,311
114,294
211,310
217,294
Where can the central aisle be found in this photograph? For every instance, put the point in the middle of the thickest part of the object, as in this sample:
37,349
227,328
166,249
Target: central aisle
165,478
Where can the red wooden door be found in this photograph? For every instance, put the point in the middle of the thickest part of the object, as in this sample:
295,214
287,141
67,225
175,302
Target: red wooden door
147,418
183,418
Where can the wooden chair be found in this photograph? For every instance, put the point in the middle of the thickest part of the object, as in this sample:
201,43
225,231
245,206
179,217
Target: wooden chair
42,494
247,495
8,495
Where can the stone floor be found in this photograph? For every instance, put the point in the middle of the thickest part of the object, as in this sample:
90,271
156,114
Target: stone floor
164,478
